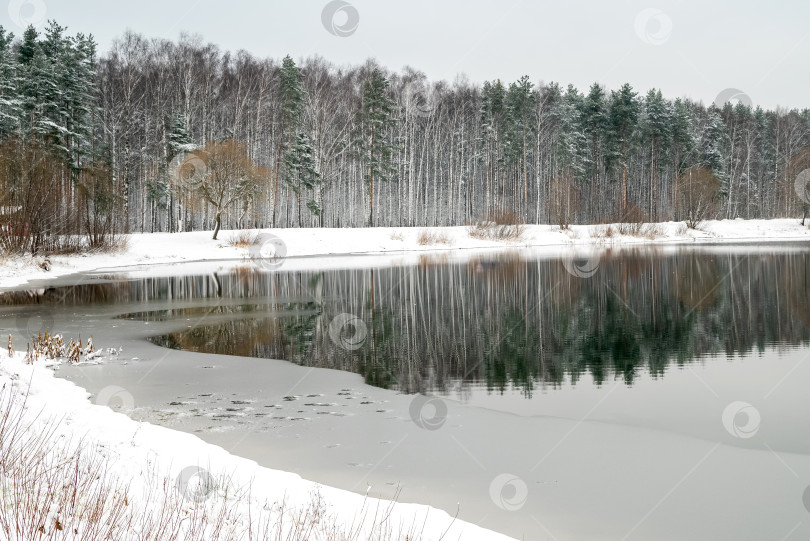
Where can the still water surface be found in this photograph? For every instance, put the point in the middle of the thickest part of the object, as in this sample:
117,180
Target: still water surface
634,394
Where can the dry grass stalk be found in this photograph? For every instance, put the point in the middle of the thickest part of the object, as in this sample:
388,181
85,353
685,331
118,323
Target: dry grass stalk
52,347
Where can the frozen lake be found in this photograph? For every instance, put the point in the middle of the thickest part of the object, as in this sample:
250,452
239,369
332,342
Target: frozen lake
647,393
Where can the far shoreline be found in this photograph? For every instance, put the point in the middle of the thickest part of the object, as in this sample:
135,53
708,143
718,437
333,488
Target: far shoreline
144,250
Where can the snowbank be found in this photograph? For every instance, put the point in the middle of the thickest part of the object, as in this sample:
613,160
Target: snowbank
145,456
168,248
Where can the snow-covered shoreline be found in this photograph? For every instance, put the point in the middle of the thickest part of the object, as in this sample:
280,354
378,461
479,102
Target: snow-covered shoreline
147,249
143,455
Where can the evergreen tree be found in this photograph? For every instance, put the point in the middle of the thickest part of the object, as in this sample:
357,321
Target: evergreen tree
300,173
178,139
624,112
291,98
683,136
57,86
10,110
596,124
570,151
38,84
375,142
655,131
572,145
58,93
493,124
162,190
713,148
759,164
682,147
521,107
28,47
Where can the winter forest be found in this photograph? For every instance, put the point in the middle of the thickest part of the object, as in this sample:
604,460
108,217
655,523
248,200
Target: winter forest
156,135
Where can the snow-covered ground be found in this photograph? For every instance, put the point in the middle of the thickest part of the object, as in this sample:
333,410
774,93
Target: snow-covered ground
293,245
145,456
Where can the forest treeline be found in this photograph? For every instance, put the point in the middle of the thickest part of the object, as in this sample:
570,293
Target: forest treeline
159,135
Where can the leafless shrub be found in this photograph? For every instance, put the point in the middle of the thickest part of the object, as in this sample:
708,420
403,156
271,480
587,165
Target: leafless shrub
505,226
428,237
41,214
52,488
602,233
698,195
631,221
243,239
110,243
397,235
651,231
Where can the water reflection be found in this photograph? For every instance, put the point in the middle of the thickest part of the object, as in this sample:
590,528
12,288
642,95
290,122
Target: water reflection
499,321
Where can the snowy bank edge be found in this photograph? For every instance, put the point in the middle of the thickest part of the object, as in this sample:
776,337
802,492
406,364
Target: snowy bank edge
169,248
143,449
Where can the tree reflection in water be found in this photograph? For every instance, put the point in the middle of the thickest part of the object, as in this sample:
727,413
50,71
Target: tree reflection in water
502,322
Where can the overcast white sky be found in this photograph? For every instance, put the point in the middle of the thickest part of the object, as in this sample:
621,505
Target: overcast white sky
685,47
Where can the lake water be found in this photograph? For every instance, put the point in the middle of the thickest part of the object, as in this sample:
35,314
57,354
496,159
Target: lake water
651,393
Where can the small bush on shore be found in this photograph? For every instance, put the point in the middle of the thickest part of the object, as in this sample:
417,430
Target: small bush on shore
505,226
603,234
429,237
243,239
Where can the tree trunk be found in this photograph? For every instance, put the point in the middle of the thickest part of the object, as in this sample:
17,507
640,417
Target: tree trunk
219,224
299,207
371,201
624,179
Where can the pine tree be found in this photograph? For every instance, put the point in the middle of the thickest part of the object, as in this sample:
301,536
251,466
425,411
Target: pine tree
521,108
162,190
300,173
10,109
56,89
624,112
291,98
570,150
683,145
80,98
178,139
495,139
37,83
375,144
683,136
28,47
759,163
596,124
58,93
713,148
655,131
